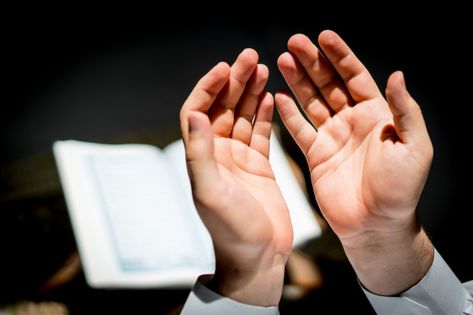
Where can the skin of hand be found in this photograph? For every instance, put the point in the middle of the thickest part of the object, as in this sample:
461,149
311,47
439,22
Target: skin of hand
226,125
368,157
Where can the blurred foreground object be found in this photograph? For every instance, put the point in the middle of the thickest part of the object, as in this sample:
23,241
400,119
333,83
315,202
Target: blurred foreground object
32,308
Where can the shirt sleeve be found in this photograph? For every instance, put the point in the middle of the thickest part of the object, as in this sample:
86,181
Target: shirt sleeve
438,293
202,300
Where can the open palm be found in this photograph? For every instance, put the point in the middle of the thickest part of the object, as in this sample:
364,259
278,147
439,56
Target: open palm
368,159
256,211
226,125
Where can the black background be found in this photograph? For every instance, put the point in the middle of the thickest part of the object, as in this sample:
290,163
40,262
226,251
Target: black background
97,77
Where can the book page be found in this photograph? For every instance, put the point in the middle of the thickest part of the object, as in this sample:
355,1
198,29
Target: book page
131,224
304,223
176,156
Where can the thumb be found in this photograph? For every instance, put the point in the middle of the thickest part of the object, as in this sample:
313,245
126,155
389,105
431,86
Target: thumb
408,120
201,164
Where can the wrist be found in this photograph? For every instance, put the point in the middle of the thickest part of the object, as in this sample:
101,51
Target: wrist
260,285
390,262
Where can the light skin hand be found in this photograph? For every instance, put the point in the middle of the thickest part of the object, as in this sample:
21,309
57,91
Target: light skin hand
368,157
226,125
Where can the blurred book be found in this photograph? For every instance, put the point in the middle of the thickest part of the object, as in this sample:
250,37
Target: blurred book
133,215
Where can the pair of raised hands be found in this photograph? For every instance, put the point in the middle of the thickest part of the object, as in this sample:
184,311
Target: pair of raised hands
368,157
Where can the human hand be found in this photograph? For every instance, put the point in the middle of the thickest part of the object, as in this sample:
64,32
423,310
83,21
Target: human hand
368,158
226,125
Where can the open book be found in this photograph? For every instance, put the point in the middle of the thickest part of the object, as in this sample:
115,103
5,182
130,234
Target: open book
134,219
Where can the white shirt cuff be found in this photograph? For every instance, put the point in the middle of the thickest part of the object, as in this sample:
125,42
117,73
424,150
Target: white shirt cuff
439,292
202,300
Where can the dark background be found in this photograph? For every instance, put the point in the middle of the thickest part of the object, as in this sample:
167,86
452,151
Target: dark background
108,76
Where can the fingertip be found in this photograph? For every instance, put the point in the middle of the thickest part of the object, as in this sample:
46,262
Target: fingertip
222,69
250,52
397,78
398,97
267,100
329,39
282,97
298,42
215,79
396,83
263,71
248,56
266,107
258,80
286,61
222,64
277,97
284,58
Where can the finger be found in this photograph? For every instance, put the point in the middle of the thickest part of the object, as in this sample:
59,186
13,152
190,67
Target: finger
300,129
246,108
320,72
303,88
358,80
201,164
222,113
204,93
262,126
408,120
240,73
